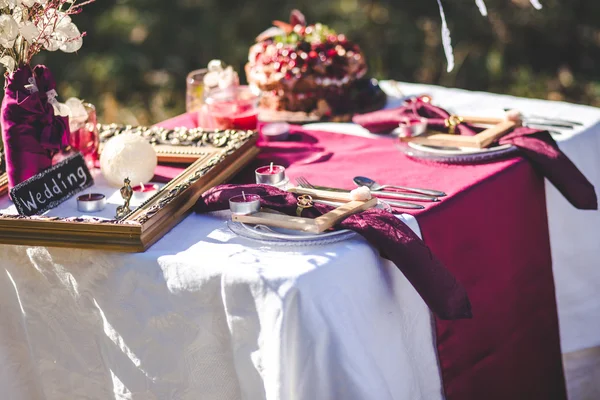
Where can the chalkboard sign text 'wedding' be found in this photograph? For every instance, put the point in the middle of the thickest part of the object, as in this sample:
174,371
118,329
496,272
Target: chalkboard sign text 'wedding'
51,187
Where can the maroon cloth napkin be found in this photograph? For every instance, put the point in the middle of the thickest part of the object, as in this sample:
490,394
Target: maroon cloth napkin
538,147
440,290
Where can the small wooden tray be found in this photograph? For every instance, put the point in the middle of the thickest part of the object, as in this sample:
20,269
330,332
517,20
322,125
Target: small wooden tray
316,225
482,140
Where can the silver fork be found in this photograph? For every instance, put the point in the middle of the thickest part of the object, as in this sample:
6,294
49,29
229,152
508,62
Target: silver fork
303,182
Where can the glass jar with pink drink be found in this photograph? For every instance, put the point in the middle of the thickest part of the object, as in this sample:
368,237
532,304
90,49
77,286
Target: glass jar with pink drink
235,107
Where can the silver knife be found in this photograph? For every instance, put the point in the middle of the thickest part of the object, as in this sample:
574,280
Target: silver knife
545,125
554,120
541,118
387,195
391,203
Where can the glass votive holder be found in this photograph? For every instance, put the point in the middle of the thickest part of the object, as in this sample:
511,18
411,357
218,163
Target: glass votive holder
194,98
244,204
273,175
84,134
275,132
235,107
92,202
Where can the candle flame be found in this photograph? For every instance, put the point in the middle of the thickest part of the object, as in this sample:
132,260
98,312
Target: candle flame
244,195
271,170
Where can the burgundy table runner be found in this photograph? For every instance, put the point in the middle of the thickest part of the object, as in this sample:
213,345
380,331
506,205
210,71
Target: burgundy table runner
491,232
537,146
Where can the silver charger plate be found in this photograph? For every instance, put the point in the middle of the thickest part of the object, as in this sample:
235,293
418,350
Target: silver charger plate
287,237
455,155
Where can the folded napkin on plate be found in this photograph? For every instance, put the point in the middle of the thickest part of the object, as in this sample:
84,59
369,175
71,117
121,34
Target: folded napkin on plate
444,295
538,147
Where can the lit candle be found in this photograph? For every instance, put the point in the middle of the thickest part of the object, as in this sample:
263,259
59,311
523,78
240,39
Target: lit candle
92,202
275,132
143,192
245,204
270,174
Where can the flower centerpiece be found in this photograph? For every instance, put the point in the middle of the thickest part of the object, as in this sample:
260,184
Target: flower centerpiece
34,124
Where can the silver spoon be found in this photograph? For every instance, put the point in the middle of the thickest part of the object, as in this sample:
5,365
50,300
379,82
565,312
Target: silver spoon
374,186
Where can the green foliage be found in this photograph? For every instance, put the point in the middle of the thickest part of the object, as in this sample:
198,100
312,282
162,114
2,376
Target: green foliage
137,53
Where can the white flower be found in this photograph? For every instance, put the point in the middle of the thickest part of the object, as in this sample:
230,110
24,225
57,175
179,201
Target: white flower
17,13
77,110
8,4
8,31
228,77
59,32
70,37
9,63
29,31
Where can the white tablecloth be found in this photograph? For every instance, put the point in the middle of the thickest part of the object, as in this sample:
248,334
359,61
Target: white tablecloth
207,315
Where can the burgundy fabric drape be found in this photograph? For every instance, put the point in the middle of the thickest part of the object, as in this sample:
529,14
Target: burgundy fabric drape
31,132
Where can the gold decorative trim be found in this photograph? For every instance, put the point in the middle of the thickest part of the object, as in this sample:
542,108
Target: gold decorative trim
173,145
142,227
3,183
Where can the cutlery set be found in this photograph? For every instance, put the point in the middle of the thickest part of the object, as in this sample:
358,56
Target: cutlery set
393,199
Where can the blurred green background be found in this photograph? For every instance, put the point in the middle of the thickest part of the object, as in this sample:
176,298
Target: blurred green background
138,52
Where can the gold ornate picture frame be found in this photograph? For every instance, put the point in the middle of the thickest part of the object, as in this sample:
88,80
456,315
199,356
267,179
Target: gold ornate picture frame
217,156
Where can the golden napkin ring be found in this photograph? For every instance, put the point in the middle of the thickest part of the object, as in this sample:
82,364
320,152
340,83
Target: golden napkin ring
452,122
305,201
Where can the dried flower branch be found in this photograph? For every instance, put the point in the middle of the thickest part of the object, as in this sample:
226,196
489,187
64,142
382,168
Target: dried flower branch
30,26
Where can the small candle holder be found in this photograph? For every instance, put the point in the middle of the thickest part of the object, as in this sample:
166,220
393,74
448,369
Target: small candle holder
245,204
275,132
142,193
270,175
92,202
410,127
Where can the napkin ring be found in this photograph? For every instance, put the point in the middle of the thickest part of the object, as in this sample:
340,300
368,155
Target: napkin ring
452,122
305,201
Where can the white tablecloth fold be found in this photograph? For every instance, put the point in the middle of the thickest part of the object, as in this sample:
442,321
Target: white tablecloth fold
206,314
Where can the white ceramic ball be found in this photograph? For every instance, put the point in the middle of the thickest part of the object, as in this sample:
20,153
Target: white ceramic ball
128,156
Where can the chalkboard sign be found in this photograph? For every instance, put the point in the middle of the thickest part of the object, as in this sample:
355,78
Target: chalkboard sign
51,187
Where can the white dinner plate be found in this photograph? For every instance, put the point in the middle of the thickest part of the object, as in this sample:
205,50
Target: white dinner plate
287,237
458,151
455,155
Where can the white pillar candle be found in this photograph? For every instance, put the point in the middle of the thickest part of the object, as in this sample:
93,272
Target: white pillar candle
128,156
